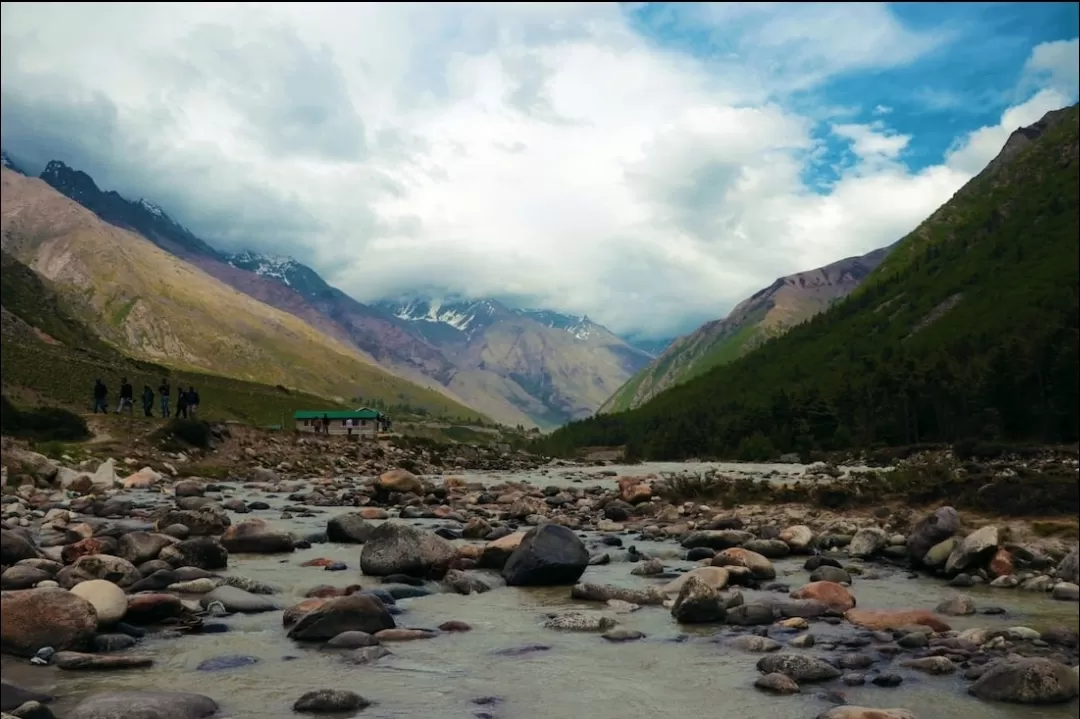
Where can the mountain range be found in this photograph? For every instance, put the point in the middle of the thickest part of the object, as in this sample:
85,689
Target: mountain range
968,329
535,368
767,313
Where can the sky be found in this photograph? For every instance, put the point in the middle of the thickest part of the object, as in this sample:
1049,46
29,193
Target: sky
647,164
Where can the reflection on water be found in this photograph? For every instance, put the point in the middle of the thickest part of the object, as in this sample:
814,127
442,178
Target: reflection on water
581,674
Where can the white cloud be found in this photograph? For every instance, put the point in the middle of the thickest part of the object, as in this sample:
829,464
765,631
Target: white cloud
882,109
1056,65
543,150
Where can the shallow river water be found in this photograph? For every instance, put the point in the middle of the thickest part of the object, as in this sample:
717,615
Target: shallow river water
581,675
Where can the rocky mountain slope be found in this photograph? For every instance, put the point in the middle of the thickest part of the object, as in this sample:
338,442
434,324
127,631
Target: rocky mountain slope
155,306
534,387
969,330
551,366
767,313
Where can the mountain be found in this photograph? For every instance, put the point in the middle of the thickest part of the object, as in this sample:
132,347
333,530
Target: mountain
767,313
6,161
141,216
651,347
154,306
968,330
551,367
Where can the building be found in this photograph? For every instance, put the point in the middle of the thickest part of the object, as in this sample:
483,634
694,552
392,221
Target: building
362,422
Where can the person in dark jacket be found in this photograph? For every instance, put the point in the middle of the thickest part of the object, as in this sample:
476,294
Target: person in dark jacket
101,397
192,401
164,390
181,402
127,397
147,400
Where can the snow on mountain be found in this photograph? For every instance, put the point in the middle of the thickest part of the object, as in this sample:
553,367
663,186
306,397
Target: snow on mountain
273,266
463,315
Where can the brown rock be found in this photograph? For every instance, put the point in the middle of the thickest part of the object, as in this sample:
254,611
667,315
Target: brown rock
853,712
1001,564
879,619
399,480
455,625
496,552
300,610
85,547
152,607
401,634
633,490
833,595
46,617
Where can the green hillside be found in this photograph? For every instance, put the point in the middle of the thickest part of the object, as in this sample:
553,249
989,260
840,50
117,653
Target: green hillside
968,330
49,357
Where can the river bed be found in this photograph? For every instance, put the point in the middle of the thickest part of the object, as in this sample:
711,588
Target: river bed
675,671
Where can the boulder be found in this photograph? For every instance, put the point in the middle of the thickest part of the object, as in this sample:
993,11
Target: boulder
881,619
206,520
715,577
1069,567
835,596
255,536
853,712
145,478
634,490
827,573
717,539
799,537
800,667
758,565
144,705
867,542
201,552
974,550
139,547
959,605
1027,681
698,603
13,696
105,476
105,566
930,530
44,617
323,701
14,548
496,552
608,592
396,548
349,528
354,613
399,480
548,555
22,576
235,599
110,602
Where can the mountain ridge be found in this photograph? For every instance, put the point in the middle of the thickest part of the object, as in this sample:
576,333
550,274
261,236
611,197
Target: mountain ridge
767,313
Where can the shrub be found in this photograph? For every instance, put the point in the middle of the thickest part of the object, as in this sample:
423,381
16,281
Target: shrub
42,424
191,432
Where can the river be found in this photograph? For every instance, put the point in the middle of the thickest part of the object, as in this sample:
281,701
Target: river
675,671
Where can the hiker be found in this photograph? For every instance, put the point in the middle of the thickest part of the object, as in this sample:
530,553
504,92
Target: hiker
127,397
325,424
192,401
101,397
348,428
181,402
147,401
164,390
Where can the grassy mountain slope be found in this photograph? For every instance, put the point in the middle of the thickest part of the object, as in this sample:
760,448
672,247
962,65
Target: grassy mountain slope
530,367
767,313
968,331
156,307
49,356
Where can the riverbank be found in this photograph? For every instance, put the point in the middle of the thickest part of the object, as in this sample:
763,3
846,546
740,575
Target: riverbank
180,529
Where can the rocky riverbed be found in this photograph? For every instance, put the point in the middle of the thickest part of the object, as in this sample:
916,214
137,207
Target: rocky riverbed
511,590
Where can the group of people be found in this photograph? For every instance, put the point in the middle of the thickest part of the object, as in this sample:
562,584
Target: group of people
187,400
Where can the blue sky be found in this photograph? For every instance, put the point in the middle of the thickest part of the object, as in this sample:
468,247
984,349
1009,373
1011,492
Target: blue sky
973,72
647,164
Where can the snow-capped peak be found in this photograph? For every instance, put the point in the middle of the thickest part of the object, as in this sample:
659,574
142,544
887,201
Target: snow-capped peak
152,208
277,267
461,315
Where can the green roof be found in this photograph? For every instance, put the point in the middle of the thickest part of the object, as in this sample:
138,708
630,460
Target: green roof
362,413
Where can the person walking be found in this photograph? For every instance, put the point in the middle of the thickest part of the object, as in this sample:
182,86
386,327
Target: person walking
181,402
127,397
164,390
193,401
326,424
147,400
101,397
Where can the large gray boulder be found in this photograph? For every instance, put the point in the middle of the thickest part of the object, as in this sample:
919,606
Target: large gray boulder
1027,681
144,705
932,529
395,548
354,613
549,555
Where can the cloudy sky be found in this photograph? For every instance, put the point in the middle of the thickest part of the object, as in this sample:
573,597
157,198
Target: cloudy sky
644,163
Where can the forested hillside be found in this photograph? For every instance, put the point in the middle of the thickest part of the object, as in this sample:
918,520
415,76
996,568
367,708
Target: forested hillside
968,330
